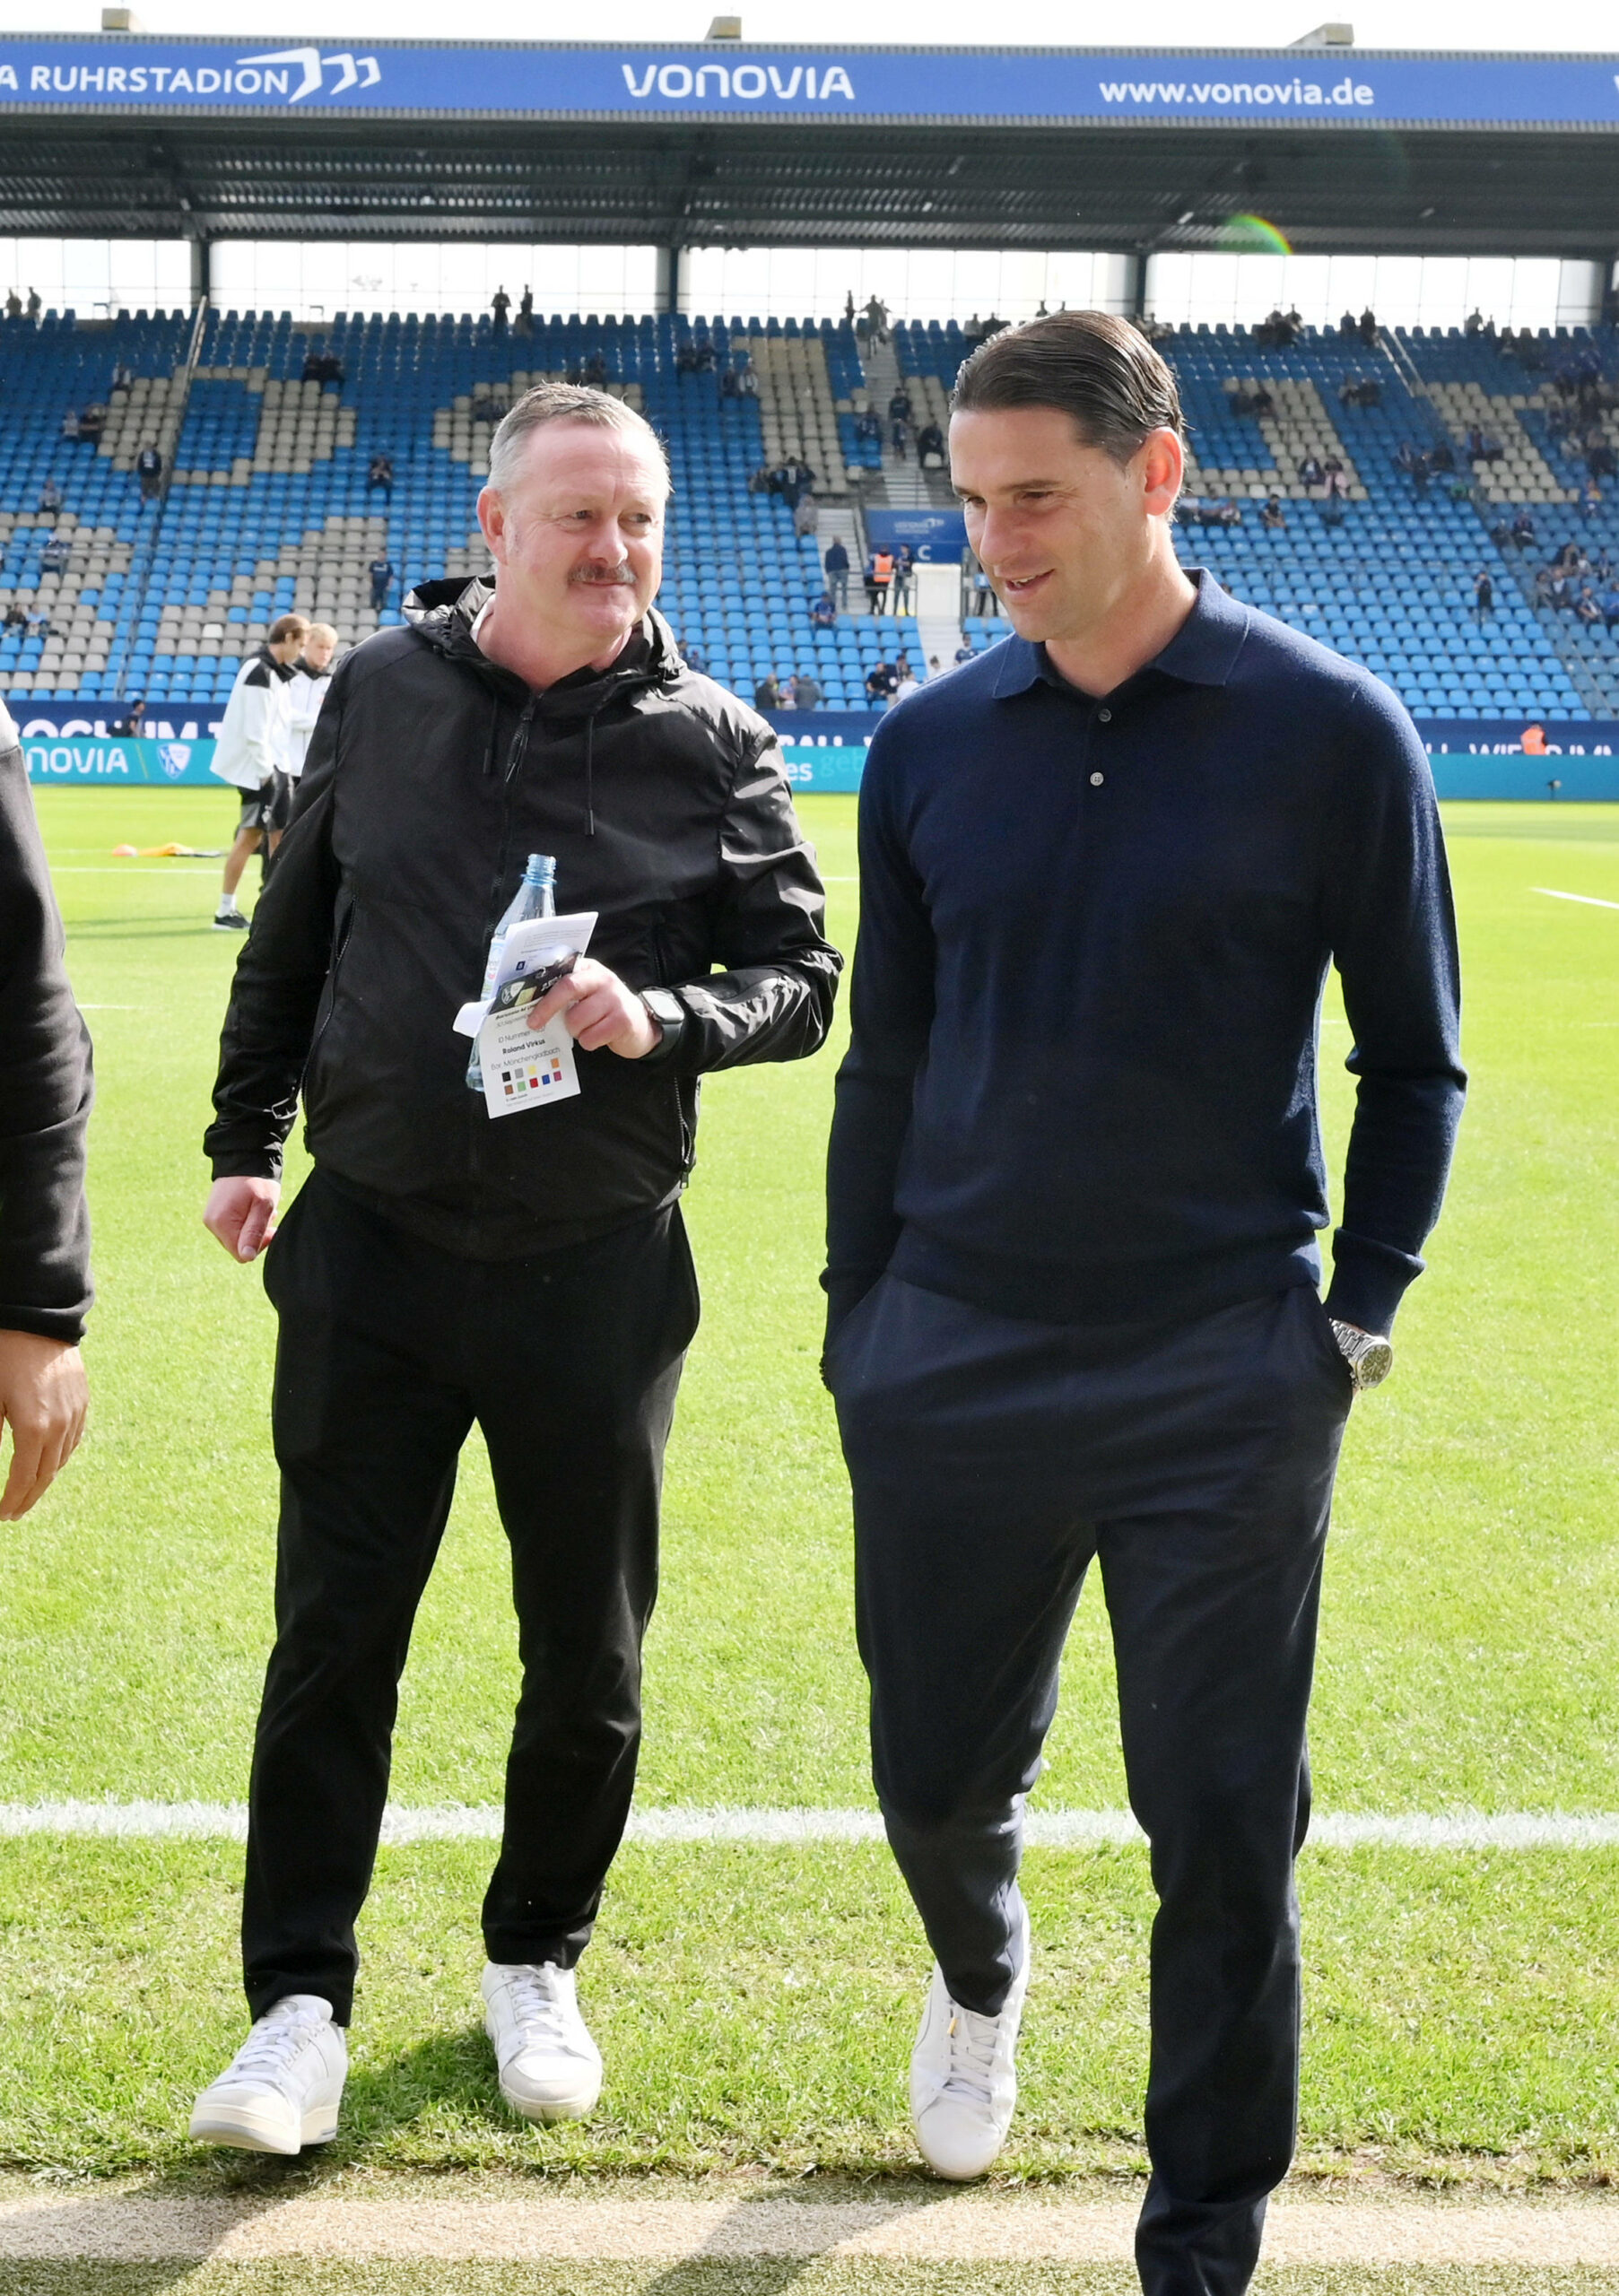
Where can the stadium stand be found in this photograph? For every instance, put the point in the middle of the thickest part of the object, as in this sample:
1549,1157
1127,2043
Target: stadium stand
269,431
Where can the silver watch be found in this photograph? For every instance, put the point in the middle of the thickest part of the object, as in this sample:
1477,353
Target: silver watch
1369,1354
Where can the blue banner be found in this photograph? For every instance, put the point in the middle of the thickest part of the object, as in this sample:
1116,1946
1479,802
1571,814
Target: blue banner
1287,85
937,537
63,745
1472,757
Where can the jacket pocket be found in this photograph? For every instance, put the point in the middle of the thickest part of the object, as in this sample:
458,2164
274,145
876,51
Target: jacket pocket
320,1046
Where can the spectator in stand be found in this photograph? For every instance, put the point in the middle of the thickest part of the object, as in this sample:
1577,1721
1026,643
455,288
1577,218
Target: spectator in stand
691,655
1474,322
37,624
877,320
730,386
122,378
1586,608
807,691
879,578
900,413
1310,473
905,679
1608,600
806,518
1523,529
16,616
500,303
930,447
936,669
1483,596
1273,516
750,380
823,612
963,653
767,694
93,421
526,312
381,571
51,498
149,466
1369,325
1590,497
707,359
836,563
1349,326
686,362
14,305
70,424
53,558
1332,507
379,471
34,305
311,683
905,568
133,722
1420,476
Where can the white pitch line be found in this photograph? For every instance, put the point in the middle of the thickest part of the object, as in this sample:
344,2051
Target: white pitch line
1437,1831
1586,901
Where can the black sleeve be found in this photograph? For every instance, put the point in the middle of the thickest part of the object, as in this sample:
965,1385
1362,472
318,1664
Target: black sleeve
891,1016
1393,934
45,1088
774,1000
280,974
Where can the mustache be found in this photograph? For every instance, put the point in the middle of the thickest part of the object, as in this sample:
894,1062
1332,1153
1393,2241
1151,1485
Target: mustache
613,577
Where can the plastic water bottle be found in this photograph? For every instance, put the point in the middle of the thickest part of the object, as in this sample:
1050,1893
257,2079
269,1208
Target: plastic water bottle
536,897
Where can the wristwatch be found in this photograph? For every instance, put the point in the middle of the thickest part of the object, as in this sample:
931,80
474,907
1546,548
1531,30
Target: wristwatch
1369,1354
666,1010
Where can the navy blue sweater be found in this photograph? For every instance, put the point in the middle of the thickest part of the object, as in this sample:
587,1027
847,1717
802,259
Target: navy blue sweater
1093,939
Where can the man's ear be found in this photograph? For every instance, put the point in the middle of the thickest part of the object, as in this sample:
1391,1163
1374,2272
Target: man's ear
492,518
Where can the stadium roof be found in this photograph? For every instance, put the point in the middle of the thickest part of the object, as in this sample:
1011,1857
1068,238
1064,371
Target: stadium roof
1339,150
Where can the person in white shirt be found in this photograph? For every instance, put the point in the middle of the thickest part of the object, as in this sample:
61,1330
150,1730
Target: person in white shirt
311,683
251,752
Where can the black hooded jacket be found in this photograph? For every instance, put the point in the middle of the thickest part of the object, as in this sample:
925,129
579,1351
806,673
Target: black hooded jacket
45,1084
432,774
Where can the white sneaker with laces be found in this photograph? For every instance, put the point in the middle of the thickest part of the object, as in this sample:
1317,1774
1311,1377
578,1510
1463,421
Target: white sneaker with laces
550,2067
282,2088
963,2075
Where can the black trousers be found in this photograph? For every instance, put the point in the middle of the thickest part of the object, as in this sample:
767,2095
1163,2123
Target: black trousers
388,1350
991,1459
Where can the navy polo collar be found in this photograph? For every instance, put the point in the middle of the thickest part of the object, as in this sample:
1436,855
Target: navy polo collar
1203,651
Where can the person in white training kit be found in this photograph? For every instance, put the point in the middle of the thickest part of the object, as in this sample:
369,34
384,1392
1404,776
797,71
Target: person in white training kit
311,683
252,752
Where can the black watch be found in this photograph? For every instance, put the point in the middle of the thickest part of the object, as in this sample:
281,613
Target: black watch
665,1009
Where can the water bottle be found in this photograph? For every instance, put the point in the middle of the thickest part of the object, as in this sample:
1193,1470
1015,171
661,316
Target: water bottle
536,897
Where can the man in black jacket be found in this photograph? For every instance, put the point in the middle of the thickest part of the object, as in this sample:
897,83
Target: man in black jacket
44,1095
442,1267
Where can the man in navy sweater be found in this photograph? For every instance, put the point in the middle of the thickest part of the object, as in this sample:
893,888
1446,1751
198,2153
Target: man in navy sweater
1076,1184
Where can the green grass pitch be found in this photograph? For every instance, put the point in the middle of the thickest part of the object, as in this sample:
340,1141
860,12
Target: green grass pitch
756,2005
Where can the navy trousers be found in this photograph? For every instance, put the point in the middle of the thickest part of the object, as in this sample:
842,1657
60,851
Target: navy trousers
991,1458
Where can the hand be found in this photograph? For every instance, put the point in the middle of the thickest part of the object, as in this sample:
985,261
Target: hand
43,1399
599,1011
241,1213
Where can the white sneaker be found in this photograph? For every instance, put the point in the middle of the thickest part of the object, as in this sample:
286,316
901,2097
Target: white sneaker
963,2075
282,2088
550,2067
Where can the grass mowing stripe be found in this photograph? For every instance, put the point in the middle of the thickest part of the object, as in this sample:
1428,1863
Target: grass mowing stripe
1445,1832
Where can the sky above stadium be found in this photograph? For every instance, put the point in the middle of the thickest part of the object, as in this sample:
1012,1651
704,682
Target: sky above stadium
1578,25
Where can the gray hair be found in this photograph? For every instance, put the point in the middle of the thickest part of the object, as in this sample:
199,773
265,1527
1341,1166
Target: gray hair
563,402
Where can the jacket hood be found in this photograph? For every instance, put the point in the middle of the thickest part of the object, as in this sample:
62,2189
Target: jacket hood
441,614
